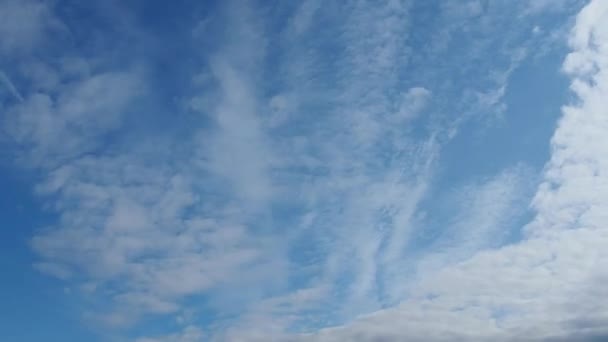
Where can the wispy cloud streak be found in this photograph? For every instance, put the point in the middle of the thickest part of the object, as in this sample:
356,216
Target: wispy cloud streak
10,86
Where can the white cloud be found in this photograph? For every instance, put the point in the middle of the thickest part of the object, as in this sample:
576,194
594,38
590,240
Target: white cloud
51,126
133,231
10,86
128,225
148,234
535,7
237,152
539,288
24,25
303,18
56,270
486,212
280,107
413,101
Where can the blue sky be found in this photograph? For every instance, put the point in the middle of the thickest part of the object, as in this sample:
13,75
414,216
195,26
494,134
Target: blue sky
303,171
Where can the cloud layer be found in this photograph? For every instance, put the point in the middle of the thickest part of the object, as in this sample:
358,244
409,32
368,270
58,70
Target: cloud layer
299,185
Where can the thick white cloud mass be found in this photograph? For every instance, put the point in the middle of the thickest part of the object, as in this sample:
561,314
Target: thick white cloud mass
299,198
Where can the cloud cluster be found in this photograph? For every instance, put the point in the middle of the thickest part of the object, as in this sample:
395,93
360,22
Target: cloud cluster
546,286
302,195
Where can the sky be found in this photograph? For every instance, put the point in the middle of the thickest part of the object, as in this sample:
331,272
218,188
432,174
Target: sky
416,170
